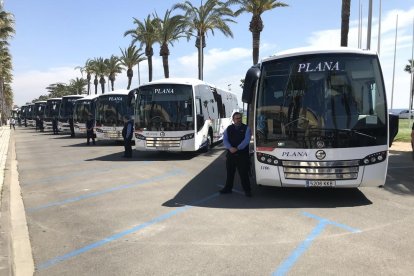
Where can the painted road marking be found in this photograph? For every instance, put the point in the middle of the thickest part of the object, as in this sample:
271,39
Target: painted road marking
173,172
134,229
88,172
291,260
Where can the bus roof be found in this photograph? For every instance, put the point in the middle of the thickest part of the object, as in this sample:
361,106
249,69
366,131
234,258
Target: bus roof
191,81
87,97
53,99
39,102
74,96
116,92
314,50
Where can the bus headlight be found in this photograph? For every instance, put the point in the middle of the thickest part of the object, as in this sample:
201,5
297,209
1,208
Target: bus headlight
99,130
188,136
373,158
267,159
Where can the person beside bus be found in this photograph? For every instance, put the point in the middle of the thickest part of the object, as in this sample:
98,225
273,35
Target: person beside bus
55,125
90,124
236,140
127,133
72,127
12,123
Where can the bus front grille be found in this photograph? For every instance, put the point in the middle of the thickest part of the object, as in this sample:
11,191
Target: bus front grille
163,142
335,170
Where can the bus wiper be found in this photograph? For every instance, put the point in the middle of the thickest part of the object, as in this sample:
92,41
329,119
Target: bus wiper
360,133
351,131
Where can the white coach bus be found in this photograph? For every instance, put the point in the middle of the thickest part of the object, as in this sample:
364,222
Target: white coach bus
66,112
83,108
111,107
51,112
319,119
181,115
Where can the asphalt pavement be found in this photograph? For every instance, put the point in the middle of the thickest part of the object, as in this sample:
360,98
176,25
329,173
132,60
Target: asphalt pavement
16,252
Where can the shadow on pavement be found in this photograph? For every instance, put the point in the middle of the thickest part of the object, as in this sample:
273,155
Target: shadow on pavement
145,156
212,178
400,176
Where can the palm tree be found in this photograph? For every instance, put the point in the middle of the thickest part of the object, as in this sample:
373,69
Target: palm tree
409,68
169,29
77,86
95,70
256,8
88,69
131,56
101,70
113,67
6,32
208,17
345,12
145,33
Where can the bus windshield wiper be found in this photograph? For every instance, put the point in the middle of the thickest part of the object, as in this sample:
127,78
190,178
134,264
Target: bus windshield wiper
349,130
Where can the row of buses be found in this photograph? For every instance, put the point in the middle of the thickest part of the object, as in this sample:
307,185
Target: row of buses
169,114
318,117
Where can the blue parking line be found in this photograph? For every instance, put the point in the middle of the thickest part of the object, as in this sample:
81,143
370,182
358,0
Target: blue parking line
291,260
134,229
173,172
58,178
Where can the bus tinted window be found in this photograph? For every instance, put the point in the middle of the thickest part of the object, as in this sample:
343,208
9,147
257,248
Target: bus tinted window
338,98
166,107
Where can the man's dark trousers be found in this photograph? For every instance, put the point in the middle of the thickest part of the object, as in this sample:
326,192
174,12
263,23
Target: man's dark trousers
239,161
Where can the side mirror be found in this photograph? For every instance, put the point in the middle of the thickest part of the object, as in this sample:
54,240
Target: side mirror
250,81
394,124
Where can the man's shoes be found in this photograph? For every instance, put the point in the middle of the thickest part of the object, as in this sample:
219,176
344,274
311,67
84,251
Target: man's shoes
225,191
248,193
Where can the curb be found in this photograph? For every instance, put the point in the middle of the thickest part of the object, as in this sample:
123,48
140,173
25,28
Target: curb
22,258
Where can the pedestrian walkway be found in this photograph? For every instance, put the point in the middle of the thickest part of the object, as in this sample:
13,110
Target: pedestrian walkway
4,147
5,268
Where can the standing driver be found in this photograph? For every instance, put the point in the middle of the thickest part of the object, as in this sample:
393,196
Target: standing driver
90,123
127,133
236,140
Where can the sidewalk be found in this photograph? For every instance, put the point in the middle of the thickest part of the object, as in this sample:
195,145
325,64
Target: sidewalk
5,239
15,249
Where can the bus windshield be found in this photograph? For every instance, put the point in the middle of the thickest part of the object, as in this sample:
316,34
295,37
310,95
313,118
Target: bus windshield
66,107
52,108
111,108
83,108
321,101
165,107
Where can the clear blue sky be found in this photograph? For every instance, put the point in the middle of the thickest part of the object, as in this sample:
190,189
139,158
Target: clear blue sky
54,36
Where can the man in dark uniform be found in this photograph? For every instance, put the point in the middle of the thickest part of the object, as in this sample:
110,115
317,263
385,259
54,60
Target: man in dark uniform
72,127
55,125
236,140
127,133
90,124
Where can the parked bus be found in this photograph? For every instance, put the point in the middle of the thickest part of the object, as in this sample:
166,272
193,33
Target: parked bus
181,115
111,107
31,118
51,112
23,115
39,113
66,112
319,119
83,108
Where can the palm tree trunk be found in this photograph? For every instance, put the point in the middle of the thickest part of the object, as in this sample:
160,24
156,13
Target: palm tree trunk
164,52
130,74
96,82
345,12
255,46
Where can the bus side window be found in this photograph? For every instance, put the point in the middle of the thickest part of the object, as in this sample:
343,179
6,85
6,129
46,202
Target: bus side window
199,115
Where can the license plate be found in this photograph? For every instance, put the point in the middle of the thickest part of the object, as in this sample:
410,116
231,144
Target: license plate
320,183
162,148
